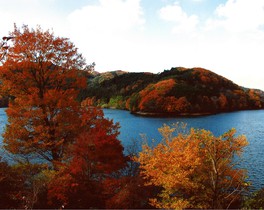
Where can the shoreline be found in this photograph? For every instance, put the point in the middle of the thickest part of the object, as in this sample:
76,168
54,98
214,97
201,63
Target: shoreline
166,115
173,114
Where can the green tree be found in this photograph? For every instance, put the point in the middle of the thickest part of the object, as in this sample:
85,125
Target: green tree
117,102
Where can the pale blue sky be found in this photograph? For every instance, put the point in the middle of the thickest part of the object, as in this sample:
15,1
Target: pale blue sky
225,36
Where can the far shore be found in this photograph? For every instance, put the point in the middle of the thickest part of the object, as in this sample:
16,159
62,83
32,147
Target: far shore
153,114
173,114
167,114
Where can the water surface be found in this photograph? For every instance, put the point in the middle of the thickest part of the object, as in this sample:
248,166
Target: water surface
249,123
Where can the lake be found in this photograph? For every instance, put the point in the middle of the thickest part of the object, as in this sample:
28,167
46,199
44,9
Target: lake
249,123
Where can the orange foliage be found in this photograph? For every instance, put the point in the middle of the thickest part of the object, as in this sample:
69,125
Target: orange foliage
223,101
128,104
206,76
129,193
42,72
152,97
95,155
254,96
97,148
88,102
195,170
179,105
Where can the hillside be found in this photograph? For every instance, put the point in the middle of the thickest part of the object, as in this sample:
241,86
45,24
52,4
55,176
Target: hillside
179,91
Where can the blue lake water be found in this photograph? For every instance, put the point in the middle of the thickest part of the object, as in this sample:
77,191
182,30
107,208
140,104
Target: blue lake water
249,123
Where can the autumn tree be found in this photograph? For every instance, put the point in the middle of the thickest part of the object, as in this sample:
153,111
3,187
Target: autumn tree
154,95
33,190
95,156
223,102
127,189
42,73
11,187
255,201
195,169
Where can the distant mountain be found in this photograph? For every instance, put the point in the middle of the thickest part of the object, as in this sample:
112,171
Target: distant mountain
179,91
100,77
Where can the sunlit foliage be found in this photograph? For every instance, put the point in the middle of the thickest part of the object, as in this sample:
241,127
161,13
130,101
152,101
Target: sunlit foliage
195,170
42,74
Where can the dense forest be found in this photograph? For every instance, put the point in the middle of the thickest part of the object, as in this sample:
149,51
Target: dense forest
180,91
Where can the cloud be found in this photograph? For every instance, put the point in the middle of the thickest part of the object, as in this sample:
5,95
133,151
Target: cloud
237,29
239,16
229,42
106,30
109,16
29,12
121,34
182,22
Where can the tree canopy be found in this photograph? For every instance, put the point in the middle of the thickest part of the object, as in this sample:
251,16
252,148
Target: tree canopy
74,147
178,91
195,170
42,74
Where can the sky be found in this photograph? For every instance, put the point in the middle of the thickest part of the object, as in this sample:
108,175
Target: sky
224,36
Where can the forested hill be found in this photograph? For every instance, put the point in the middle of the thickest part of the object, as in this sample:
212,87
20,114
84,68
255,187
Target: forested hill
179,91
